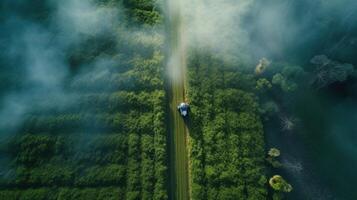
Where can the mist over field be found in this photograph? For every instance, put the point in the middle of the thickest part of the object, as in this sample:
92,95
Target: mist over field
36,61
38,53
279,30
99,67
74,76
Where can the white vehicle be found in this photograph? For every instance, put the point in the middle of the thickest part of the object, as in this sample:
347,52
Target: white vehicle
183,109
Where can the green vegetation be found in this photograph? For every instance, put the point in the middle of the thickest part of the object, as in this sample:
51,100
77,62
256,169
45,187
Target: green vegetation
109,141
108,138
274,152
143,11
122,152
279,184
88,111
226,133
273,155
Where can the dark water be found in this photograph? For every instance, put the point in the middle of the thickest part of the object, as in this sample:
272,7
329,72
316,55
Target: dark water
320,154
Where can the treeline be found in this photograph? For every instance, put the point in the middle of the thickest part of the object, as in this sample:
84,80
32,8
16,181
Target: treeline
226,133
144,11
102,102
107,139
108,193
141,12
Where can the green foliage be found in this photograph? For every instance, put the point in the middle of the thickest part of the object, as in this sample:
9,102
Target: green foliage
288,78
110,142
279,184
263,84
34,149
328,71
40,194
100,193
226,136
143,11
274,162
147,16
285,85
272,158
269,109
278,196
102,176
274,152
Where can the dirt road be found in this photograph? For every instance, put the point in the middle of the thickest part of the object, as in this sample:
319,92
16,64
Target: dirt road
178,149
176,90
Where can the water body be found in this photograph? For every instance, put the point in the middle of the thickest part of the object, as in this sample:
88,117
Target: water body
320,153
319,156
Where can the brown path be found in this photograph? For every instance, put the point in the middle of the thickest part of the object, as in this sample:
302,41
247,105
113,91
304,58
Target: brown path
176,67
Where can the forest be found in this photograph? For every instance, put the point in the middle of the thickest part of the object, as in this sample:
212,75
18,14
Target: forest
226,132
89,91
109,139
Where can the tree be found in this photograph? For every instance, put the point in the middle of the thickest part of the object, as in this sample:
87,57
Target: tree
279,184
328,71
263,84
274,152
262,65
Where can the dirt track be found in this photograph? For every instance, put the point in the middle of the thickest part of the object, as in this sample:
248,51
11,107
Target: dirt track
178,132
179,183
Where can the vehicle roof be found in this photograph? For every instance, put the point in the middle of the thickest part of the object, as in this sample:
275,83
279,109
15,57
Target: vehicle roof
183,105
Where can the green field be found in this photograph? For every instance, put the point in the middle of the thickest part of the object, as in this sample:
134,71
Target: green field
102,135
